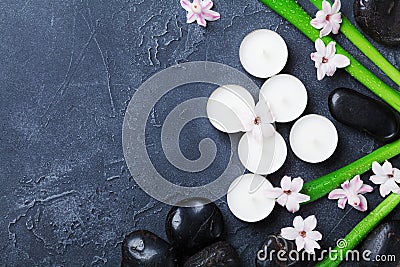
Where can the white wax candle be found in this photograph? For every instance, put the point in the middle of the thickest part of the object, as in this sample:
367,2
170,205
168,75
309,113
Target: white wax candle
286,95
313,138
247,199
263,53
272,154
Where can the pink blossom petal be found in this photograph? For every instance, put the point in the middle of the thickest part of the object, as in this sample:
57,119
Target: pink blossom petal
196,2
346,185
342,202
282,200
363,205
207,4
336,194
335,27
297,184
298,223
326,7
356,183
326,30
330,50
336,18
310,245
336,6
201,21
318,22
191,17
317,58
387,168
267,130
186,5
388,187
320,47
300,243
321,15
292,205
315,235
377,168
286,183
310,223
365,189
274,192
396,175
300,198
289,233
340,61
354,200
263,111
211,15
378,179
321,72
330,69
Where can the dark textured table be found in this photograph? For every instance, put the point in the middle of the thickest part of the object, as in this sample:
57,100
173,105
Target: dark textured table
69,69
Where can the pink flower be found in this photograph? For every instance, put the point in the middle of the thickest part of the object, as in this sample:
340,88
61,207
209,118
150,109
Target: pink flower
328,19
326,59
200,11
289,195
304,234
387,177
351,192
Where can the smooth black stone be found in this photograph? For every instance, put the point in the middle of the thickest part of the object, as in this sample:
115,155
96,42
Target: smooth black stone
383,241
220,254
144,249
195,226
364,113
267,255
380,19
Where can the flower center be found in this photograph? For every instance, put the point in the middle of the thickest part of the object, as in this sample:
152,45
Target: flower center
390,176
303,234
257,120
196,8
328,17
287,192
324,60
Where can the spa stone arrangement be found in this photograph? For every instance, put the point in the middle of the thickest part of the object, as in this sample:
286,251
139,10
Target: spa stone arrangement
196,230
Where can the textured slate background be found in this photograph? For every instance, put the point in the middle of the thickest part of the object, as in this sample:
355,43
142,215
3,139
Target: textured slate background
68,70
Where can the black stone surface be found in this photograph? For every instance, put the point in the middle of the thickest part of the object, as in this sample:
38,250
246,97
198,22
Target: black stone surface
380,19
383,243
220,254
273,245
195,226
361,112
68,70
144,248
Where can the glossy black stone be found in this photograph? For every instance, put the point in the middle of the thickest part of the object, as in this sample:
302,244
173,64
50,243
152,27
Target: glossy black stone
380,19
383,241
144,249
267,255
194,227
220,254
364,113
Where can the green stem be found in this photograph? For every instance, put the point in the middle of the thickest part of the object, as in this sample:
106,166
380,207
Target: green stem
361,231
356,37
295,14
319,187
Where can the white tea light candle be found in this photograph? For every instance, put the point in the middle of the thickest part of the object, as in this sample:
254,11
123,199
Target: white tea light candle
247,198
286,95
263,157
313,138
263,53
